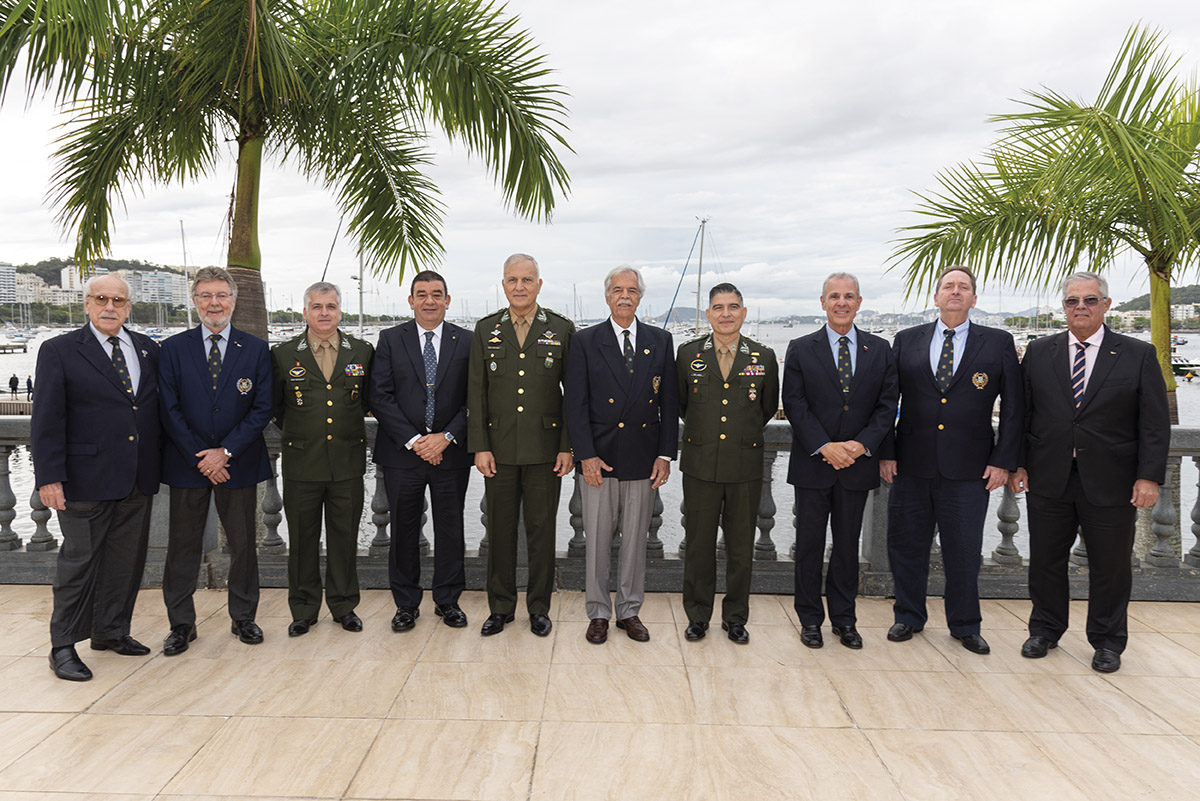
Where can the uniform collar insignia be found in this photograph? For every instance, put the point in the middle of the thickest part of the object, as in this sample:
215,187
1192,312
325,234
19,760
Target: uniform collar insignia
745,346
504,318
708,342
541,315
345,341
303,344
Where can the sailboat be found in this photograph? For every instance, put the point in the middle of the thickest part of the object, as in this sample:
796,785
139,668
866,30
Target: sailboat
679,329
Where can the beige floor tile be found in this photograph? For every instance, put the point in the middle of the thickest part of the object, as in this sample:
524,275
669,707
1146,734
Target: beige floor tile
1006,655
656,608
499,768
473,691
996,614
878,653
1188,640
872,613
1069,704
1126,765
937,765
188,685
327,688
22,634
475,604
931,701
1148,654
20,731
765,610
1022,607
1175,699
774,696
273,602
15,795
769,646
619,694
515,644
278,756
35,688
1166,617
662,649
111,754
325,641
27,599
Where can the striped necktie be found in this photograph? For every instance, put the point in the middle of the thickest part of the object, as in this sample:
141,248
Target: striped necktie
1078,371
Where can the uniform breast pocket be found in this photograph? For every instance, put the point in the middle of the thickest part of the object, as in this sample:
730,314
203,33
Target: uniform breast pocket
298,393
748,389
549,358
495,360
699,387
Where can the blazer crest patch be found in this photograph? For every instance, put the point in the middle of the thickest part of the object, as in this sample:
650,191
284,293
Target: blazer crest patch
979,380
244,385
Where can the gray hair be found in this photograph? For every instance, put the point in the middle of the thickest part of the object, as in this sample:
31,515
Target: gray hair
516,257
321,287
1075,278
624,268
205,274
119,275
840,276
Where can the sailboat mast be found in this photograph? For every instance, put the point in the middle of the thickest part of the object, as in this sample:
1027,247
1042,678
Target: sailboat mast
700,272
187,277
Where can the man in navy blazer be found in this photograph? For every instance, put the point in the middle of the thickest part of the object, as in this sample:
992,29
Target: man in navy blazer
945,457
419,395
839,393
95,442
621,399
215,398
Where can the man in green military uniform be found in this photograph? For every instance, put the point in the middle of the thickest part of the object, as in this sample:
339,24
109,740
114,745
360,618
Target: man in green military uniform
516,429
320,396
728,390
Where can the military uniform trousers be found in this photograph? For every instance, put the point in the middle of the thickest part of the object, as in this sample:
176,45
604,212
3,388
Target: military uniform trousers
624,504
342,502
236,509
539,488
735,507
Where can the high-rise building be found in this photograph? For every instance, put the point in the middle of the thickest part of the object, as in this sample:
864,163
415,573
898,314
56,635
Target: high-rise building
8,283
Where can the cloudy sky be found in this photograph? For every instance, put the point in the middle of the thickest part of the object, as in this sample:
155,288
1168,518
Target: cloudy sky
799,129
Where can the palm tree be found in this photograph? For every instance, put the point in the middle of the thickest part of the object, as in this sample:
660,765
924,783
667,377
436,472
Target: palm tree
344,90
1070,186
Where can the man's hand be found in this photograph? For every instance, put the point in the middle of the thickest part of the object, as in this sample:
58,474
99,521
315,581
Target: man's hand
1018,481
836,454
593,470
53,498
485,463
887,470
660,472
430,447
212,460
219,476
563,463
994,476
1145,493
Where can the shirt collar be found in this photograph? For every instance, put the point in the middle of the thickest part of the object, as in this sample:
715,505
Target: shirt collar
618,329
834,336
958,329
207,332
315,341
437,331
122,335
1095,340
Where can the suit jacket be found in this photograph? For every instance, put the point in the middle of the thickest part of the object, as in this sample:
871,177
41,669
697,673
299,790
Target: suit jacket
626,420
951,434
821,413
195,417
398,395
86,431
1120,432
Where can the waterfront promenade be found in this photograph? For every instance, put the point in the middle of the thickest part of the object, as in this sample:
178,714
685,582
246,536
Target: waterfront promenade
440,713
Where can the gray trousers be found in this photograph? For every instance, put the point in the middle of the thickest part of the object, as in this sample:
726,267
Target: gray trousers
627,505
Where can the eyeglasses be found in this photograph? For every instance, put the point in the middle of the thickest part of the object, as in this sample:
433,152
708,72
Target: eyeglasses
1091,301
208,296
118,302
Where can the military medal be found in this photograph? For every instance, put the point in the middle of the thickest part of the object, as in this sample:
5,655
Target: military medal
244,385
656,382
753,394
492,366
549,362
979,380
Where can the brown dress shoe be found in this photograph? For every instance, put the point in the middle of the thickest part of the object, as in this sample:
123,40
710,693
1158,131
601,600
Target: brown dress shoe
597,630
634,628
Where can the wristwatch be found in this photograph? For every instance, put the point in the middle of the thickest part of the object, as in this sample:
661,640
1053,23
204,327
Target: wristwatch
449,437
228,455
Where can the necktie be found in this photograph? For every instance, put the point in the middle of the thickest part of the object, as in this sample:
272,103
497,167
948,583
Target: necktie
725,360
945,370
1078,370
118,360
430,379
845,371
214,359
326,358
521,327
628,351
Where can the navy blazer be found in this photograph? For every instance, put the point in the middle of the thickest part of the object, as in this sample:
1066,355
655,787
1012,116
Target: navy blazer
397,394
86,431
1121,431
951,434
821,413
195,418
617,416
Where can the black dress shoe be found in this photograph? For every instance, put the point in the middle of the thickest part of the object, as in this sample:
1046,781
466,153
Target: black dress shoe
405,618
899,632
177,641
849,636
737,632
1106,661
124,645
696,629
349,621
495,624
973,643
452,615
811,636
540,625
298,627
1037,646
247,631
66,664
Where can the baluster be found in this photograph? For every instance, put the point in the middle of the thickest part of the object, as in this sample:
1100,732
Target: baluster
764,548
578,544
654,546
272,506
423,542
1009,512
483,521
683,524
1079,555
9,541
795,528
380,517
1163,526
42,539
1193,556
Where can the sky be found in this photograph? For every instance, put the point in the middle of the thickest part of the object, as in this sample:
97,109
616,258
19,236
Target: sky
800,130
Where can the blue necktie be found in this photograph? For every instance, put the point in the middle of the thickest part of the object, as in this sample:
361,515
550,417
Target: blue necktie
1078,370
430,379
118,360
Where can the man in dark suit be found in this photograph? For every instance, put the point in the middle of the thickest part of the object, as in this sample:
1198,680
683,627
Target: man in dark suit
945,457
620,380
419,396
214,385
95,441
1097,432
839,392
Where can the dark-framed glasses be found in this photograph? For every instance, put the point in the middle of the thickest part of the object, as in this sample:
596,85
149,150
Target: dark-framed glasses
206,297
1091,301
117,301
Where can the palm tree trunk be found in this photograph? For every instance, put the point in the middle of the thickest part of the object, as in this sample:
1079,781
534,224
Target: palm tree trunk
245,259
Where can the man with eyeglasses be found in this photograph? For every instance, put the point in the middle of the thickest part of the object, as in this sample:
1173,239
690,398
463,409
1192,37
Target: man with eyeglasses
215,389
1096,437
94,436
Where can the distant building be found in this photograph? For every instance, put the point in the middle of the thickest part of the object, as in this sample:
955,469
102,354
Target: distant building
30,288
1183,311
69,277
158,286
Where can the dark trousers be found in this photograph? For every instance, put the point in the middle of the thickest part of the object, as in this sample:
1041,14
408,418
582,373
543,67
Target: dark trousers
236,509
303,502
958,508
1108,534
99,568
539,487
843,509
735,507
406,497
